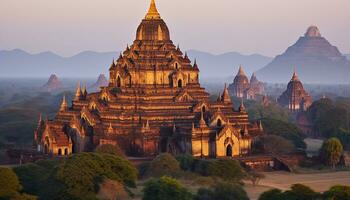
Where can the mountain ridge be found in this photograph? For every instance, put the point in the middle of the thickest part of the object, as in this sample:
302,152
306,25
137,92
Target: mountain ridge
19,63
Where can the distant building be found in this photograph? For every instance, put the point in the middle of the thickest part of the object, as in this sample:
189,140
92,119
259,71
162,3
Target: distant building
295,98
242,88
153,103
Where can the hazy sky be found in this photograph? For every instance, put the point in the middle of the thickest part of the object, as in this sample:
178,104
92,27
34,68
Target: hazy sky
267,27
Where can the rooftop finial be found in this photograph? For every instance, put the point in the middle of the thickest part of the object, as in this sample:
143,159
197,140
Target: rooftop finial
295,75
241,71
152,11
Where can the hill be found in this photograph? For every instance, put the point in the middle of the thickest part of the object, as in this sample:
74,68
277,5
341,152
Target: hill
315,59
18,63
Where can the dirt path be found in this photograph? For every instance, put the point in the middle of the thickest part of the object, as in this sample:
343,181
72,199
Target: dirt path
283,180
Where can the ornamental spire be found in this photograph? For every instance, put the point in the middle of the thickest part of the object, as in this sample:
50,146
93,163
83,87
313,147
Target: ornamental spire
78,92
295,76
152,11
64,104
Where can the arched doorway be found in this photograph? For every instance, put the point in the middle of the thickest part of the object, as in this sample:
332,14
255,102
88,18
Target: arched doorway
60,152
229,151
219,123
179,83
118,81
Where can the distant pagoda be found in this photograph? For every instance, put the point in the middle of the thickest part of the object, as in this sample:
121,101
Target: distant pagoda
243,88
154,103
295,98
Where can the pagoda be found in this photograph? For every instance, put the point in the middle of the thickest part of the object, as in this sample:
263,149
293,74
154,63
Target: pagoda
295,98
154,103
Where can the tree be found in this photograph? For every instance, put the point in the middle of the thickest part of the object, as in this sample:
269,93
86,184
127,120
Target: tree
273,194
276,145
222,191
297,192
9,183
163,164
165,188
338,192
286,130
255,177
229,170
110,149
331,152
82,173
186,161
301,192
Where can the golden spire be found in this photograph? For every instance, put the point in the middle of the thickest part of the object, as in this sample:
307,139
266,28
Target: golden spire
152,11
64,104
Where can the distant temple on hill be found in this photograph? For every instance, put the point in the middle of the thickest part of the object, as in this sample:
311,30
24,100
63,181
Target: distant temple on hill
154,103
295,98
242,88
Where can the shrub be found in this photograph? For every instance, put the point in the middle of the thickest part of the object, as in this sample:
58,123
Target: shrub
165,188
274,194
186,161
331,152
338,192
9,183
163,164
222,191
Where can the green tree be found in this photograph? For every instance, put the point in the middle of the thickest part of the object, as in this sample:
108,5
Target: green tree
276,145
229,170
301,192
273,194
286,130
9,183
163,164
186,161
165,188
297,192
338,192
222,191
331,152
110,149
82,173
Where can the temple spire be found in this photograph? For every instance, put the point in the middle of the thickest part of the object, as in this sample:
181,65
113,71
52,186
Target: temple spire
242,107
226,96
295,76
78,93
241,71
64,104
152,11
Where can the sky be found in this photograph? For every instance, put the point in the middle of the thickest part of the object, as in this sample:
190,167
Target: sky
267,27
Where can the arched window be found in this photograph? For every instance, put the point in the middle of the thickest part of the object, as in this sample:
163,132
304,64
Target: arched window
60,152
229,150
219,123
118,82
65,151
203,109
176,66
179,83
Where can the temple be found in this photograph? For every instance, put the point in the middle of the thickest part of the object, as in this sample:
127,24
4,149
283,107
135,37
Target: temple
295,98
243,88
154,103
